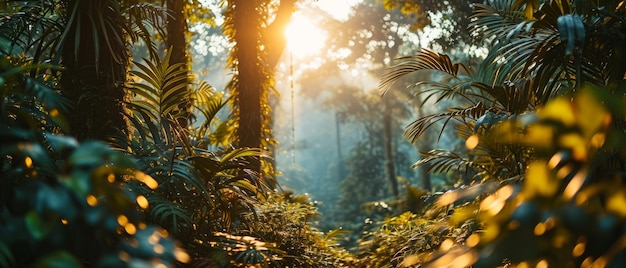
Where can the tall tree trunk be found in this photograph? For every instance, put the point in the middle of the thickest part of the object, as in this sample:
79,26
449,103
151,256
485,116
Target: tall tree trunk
176,31
425,178
341,170
253,67
176,42
95,59
424,144
388,147
249,80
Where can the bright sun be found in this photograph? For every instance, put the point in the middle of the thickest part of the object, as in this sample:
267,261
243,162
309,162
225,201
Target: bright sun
304,38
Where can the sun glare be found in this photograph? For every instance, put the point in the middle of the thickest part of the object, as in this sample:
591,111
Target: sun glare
304,38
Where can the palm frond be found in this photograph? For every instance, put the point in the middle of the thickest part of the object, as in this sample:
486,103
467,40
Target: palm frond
500,19
530,6
142,20
34,30
34,86
158,96
443,161
169,213
417,128
165,89
514,97
209,103
227,173
425,60
230,162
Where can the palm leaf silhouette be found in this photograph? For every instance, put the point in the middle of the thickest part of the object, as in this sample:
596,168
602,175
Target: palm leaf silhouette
168,213
443,161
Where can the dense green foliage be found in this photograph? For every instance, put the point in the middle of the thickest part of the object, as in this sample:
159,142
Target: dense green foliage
66,204
169,164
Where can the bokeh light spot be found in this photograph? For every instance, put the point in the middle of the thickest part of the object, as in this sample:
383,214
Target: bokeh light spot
122,220
142,201
542,264
111,178
578,250
28,162
146,179
181,255
472,240
447,244
158,249
130,228
472,142
92,200
540,229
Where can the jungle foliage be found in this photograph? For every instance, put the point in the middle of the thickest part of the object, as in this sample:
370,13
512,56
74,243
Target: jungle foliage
163,188
110,162
543,120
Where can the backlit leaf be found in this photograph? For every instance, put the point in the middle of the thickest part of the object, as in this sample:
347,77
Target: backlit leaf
617,203
559,110
539,181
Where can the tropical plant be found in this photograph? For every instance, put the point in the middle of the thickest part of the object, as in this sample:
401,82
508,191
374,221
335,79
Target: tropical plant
201,192
284,221
549,156
407,239
64,203
565,212
521,73
90,39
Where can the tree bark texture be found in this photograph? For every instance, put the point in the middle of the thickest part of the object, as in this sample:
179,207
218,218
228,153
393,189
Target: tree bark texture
176,42
176,39
388,147
95,58
256,53
249,79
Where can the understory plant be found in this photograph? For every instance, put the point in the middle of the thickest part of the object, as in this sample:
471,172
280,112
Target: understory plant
284,221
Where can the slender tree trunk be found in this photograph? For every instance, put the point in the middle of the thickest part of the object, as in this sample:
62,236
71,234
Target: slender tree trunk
388,147
94,69
341,170
424,144
425,177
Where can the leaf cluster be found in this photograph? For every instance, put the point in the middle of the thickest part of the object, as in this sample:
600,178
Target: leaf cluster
62,202
552,147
